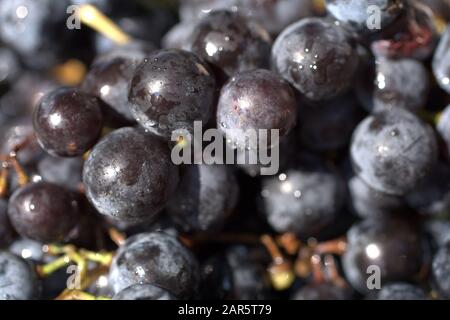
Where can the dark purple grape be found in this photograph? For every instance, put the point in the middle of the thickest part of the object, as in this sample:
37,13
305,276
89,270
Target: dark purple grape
18,281
254,100
329,125
43,211
367,202
322,291
179,37
7,232
231,42
357,13
401,291
129,175
143,292
67,122
304,199
441,271
439,232
206,196
432,196
395,246
19,134
402,83
65,172
170,90
109,80
316,57
441,62
393,150
155,258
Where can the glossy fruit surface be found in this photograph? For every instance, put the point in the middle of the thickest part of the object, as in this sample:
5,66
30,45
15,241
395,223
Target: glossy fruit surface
231,42
393,150
129,175
255,100
18,280
206,196
394,246
317,57
155,258
67,122
43,211
170,90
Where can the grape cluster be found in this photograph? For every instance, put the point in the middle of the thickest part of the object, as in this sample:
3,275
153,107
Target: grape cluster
92,119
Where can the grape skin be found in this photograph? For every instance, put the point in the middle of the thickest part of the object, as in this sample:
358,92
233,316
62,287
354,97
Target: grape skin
129,175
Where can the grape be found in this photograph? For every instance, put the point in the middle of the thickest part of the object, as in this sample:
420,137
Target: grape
441,62
304,199
129,175
43,211
170,90
401,83
367,202
432,196
7,232
439,231
395,246
254,100
329,125
357,14
401,291
322,291
109,80
205,198
65,172
67,122
179,36
231,42
155,258
316,57
441,271
18,280
393,150
20,133
143,292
